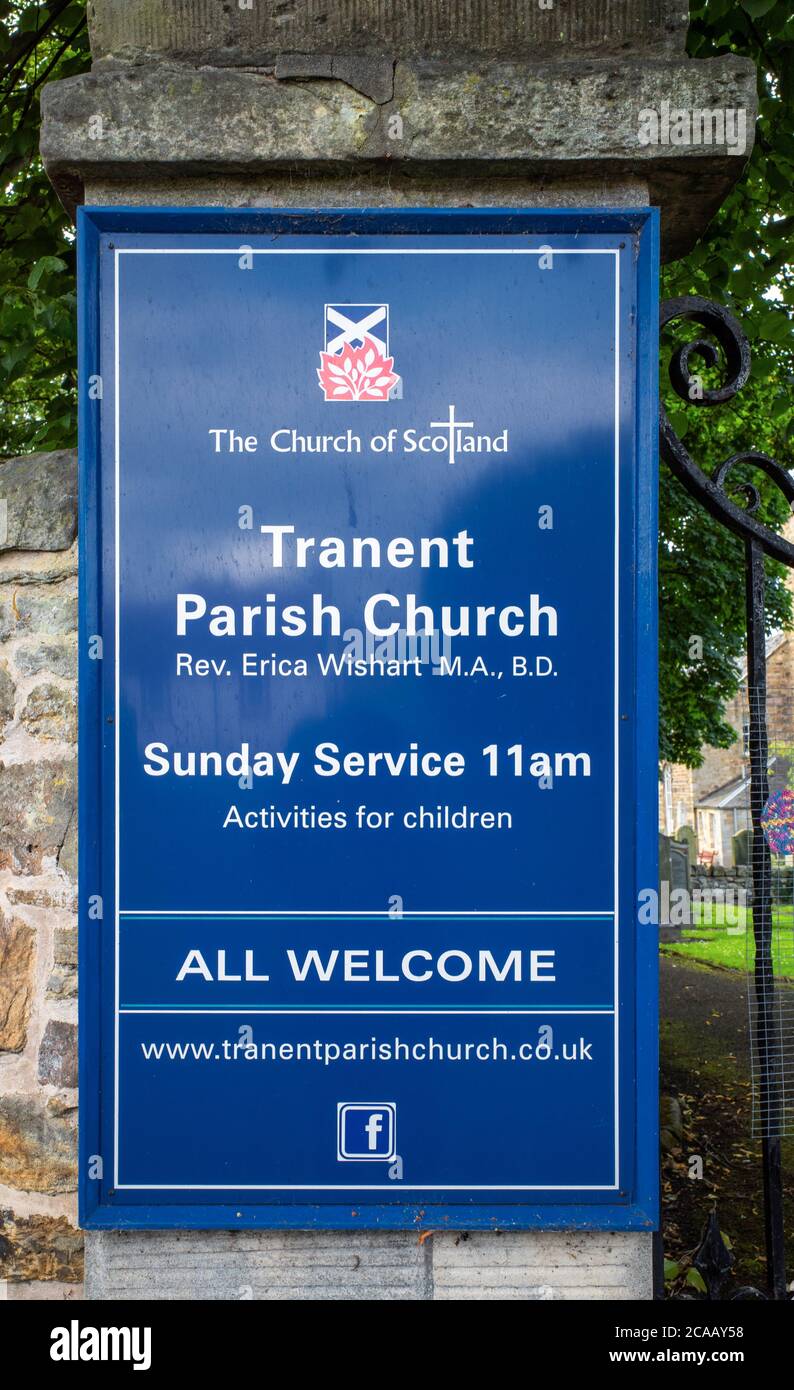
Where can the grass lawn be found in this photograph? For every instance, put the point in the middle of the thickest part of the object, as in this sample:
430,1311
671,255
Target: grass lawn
723,935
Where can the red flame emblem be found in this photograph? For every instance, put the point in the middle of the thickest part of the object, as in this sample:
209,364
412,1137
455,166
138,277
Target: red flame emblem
357,374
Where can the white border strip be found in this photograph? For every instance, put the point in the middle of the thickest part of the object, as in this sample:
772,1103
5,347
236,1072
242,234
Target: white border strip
117,701
365,1013
354,1187
362,912
365,251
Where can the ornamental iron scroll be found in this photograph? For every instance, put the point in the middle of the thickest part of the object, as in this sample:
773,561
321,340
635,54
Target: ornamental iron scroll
711,491
727,346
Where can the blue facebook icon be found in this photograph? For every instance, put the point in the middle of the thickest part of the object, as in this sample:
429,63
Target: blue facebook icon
366,1130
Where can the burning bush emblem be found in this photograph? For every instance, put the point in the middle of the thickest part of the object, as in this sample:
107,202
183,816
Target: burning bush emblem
357,373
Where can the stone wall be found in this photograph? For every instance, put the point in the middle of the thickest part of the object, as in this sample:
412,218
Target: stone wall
735,880
40,1248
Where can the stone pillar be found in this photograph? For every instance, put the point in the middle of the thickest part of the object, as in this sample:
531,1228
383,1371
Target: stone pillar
372,103
367,102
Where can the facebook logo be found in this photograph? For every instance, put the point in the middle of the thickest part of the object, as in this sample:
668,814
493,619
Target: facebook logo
366,1130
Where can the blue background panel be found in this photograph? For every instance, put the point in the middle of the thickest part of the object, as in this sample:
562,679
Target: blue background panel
245,1120
266,327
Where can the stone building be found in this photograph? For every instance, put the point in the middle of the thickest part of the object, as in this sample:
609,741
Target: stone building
712,801
346,103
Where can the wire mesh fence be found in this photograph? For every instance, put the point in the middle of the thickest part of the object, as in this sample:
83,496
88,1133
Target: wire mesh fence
770,939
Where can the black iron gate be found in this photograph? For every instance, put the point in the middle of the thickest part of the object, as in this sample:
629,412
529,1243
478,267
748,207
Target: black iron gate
712,492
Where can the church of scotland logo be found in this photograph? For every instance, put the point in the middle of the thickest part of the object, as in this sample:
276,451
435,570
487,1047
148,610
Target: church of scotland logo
356,365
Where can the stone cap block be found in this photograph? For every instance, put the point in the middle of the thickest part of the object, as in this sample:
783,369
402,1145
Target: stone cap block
38,501
256,34
551,121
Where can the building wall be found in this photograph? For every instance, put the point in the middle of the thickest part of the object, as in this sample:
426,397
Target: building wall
38,877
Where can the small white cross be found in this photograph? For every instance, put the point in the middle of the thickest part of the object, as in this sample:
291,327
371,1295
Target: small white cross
452,425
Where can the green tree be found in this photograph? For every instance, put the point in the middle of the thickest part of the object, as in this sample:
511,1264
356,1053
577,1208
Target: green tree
743,261
38,356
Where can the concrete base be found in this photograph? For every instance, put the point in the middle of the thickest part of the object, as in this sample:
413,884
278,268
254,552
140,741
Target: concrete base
370,1265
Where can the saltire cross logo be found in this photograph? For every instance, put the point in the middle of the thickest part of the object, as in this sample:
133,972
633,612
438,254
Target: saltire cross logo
356,365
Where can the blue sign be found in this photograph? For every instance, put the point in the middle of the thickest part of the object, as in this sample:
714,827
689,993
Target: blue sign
368,741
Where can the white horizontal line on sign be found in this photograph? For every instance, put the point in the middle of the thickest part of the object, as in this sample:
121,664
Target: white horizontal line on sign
340,912
359,1187
367,250
359,1013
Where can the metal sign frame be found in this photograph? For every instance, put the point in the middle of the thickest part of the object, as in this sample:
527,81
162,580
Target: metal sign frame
633,1204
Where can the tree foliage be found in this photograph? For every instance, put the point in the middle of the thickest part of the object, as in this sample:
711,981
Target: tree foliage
743,261
38,357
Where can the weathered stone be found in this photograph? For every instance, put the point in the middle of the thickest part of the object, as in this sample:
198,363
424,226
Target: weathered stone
549,121
671,1116
51,713
668,1142
67,859
372,77
39,1247
209,32
43,1291
37,896
58,1055
17,955
62,983
368,186
671,1124
7,694
41,496
37,1144
37,566
51,610
36,805
59,657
